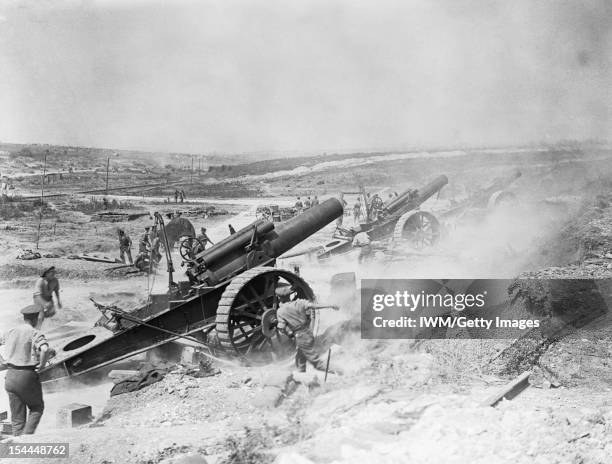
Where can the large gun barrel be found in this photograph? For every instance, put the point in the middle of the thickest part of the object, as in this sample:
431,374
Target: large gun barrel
261,242
411,198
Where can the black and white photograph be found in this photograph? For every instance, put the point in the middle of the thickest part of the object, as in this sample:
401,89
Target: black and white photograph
306,232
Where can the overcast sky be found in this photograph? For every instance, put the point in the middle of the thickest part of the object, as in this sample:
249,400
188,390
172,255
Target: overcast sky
304,75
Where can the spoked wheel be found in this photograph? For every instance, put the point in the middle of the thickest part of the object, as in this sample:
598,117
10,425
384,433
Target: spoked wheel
246,314
265,213
188,247
420,229
501,199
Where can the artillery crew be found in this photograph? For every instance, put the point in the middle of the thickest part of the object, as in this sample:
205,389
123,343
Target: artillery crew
232,231
299,205
315,201
293,319
44,288
307,203
125,246
27,351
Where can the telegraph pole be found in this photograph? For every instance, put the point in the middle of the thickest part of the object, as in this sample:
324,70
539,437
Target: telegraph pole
192,169
42,196
107,166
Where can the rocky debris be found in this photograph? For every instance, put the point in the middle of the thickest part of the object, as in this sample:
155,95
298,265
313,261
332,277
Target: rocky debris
453,429
28,255
279,384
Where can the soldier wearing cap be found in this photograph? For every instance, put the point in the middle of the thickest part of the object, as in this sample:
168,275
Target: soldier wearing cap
144,243
27,351
293,319
125,246
202,242
44,288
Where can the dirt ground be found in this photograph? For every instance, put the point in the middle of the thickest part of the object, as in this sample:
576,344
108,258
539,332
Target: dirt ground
397,401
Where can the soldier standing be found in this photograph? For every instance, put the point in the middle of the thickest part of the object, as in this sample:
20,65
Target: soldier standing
294,318
232,231
307,203
125,246
27,351
315,201
203,240
44,288
144,243
357,211
299,205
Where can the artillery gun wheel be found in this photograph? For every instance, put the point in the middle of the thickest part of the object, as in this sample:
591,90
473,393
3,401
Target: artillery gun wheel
501,198
420,229
187,246
246,314
265,212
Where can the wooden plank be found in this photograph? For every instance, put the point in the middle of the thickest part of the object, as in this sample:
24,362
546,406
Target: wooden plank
509,391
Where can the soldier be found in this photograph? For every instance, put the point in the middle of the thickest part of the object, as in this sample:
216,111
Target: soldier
232,231
176,195
307,203
376,207
145,243
357,211
315,201
125,246
44,288
27,351
294,318
299,205
203,240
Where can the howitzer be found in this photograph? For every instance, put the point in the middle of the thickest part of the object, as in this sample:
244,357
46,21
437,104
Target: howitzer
423,226
489,197
228,303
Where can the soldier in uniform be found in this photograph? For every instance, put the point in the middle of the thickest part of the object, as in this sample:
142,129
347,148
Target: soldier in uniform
27,351
299,205
232,231
307,203
293,319
315,201
357,211
125,246
202,242
145,243
44,288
